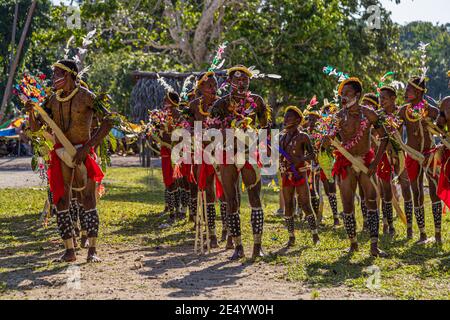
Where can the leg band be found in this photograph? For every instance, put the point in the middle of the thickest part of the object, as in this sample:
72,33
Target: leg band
223,213
350,225
74,214
437,215
193,207
234,224
257,220
408,205
333,204
65,225
312,223
211,217
420,218
374,224
315,203
92,223
290,225
388,213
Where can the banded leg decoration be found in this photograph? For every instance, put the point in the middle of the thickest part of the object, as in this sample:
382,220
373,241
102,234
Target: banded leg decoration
234,227
312,224
350,225
177,199
290,225
333,205
92,223
315,203
374,225
171,205
65,225
74,214
437,216
84,227
364,214
257,221
408,205
211,217
223,217
420,218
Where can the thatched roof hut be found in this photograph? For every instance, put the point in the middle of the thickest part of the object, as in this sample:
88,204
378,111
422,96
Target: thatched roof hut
148,94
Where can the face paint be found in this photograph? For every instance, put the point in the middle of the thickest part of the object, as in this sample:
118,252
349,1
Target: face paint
346,103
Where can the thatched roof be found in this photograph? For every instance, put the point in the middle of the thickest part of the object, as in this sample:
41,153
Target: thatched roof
148,94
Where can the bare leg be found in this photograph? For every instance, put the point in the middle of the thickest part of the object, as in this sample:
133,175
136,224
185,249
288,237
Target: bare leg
347,188
305,203
288,194
230,180
436,207
91,219
257,215
373,215
63,218
419,211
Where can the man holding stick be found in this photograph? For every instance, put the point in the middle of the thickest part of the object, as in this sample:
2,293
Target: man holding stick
415,116
356,161
72,109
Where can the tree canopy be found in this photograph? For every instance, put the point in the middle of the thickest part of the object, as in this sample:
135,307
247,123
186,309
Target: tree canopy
294,39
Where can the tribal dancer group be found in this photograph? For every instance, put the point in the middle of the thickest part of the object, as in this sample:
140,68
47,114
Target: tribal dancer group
358,141
364,144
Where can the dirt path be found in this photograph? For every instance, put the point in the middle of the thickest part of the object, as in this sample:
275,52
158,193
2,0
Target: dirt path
134,272
17,173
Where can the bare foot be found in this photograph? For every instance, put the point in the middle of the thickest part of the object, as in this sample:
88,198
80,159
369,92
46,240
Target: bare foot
392,232
238,253
438,238
230,244
68,256
224,235
75,243
409,233
353,247
316,238
213,242
92,256
376,252
257,251
336,222
84,242
423,239
291,242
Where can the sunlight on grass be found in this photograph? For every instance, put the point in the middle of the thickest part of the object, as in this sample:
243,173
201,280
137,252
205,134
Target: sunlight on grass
130,213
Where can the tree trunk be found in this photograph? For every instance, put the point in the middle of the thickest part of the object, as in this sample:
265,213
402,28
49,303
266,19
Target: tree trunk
14,65
13,35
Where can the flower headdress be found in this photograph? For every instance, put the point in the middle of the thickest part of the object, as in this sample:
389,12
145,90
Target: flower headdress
393,85
312,107
347,81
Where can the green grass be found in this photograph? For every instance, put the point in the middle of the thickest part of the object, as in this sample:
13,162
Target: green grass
129,213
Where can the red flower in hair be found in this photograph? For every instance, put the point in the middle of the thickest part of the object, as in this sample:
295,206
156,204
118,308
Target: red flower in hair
42,76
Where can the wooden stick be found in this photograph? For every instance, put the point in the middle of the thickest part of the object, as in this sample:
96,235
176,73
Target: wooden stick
206,222
355,161
68,146
416,155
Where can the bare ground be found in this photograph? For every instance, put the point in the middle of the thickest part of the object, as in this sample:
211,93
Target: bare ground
132,272
139,272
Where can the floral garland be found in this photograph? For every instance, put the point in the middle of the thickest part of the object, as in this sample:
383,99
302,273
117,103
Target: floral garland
391,121
357,138
325,127
416,112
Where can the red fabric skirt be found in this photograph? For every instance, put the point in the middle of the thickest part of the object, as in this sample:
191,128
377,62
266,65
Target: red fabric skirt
166,166
443,190
413,166
385,169
292,182
55,176
342,163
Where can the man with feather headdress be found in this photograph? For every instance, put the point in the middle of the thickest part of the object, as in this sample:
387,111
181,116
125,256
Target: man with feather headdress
416,115
241,108
72,108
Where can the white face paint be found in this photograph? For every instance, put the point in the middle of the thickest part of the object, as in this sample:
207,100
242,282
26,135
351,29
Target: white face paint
348,103
59,82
